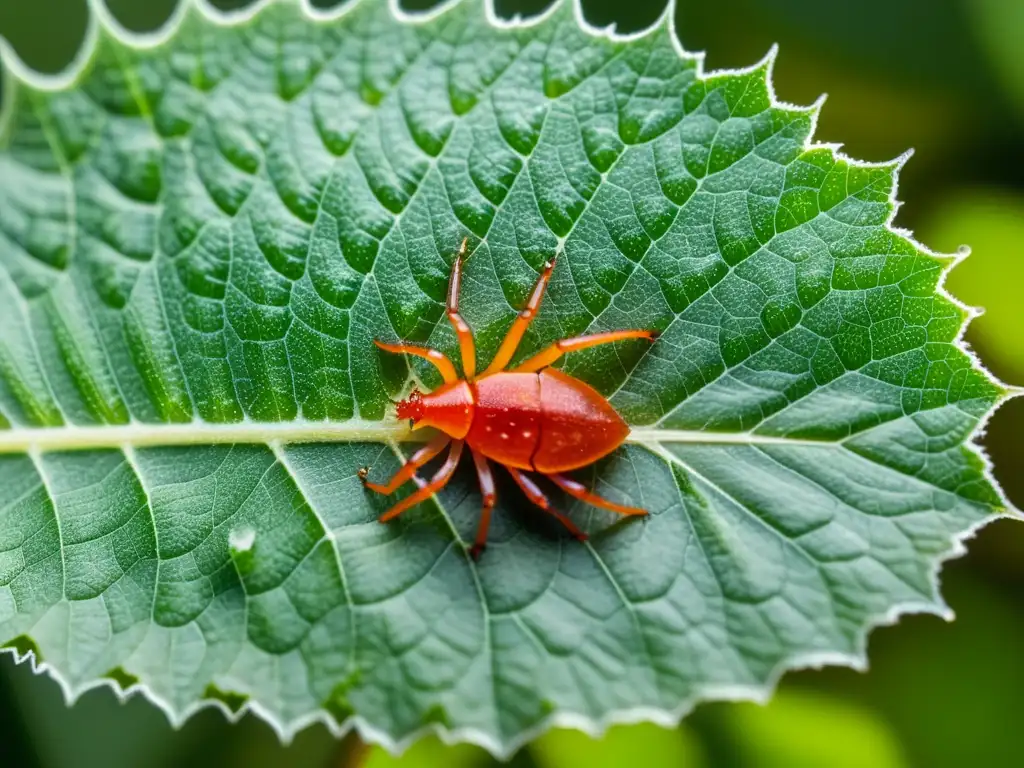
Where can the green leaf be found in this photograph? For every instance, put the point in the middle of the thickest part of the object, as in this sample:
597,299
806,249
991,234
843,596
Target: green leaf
202,232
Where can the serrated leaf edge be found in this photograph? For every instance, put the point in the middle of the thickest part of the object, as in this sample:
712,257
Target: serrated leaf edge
14,69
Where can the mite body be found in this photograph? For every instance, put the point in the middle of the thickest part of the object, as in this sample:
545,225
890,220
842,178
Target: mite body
532,418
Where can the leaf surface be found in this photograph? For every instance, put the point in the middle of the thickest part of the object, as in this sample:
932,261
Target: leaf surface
201,235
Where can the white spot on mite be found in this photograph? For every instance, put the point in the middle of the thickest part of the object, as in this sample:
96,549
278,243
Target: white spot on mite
488,428
504,435
241,539
527,433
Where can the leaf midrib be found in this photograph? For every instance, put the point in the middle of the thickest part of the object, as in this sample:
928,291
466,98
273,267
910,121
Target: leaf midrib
141,435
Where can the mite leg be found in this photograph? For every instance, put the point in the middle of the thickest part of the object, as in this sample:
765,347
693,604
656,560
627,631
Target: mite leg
578,490
442,363
490,494
536,495
462,329
408,470
522,322
547,356
437,482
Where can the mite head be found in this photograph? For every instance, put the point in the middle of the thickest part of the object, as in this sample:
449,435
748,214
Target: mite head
448,408
411,408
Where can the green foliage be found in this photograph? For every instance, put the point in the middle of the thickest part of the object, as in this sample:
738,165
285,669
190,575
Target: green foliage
643,744
199,240
803,730
997,23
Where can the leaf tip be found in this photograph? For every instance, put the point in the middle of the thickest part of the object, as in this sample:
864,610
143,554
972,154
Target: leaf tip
815,109
902,159
1013,392
23,647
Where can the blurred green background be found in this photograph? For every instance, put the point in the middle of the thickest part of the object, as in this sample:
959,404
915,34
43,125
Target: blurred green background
945,77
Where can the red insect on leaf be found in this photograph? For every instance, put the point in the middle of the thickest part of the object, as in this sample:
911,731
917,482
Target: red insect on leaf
531,418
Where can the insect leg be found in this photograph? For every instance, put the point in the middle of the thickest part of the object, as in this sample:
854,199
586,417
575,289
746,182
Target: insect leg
408,470
442,363
547,356
462,329
522,322
536,495
437,482
490,495
578,490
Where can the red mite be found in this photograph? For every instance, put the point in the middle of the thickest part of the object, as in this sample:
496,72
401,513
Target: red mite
532,417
